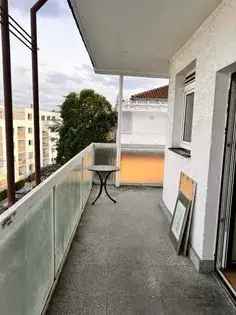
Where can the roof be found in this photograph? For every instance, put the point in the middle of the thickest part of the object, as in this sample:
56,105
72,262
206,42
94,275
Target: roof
158,93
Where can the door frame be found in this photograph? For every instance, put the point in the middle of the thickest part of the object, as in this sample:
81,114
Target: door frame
225,178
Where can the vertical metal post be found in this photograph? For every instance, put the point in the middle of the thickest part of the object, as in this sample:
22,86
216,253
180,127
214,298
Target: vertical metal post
35,79
35,97
7,86
118,134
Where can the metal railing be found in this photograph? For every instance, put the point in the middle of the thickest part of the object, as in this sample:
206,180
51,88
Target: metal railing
136,105
36,233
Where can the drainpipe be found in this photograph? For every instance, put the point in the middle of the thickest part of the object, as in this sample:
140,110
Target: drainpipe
7,87
38,5
118,134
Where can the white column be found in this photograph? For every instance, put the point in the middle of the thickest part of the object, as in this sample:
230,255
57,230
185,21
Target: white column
118,134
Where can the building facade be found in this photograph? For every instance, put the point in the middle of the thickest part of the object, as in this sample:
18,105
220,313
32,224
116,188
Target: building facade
144,118
211,60
24,142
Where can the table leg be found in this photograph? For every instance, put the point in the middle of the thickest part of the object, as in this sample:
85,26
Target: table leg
105,187
101,187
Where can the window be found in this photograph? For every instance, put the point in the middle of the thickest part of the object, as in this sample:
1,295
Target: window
30,142
188,117
21,170
30,130
29,116
21,157
42,117
21,132
188,107
48,118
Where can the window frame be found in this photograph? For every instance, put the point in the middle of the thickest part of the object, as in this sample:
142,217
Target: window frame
188,89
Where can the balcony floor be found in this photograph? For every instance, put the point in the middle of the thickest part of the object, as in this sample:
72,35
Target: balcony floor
122,262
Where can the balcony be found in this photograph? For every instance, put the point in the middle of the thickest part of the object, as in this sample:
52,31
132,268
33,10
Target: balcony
119,259
122,262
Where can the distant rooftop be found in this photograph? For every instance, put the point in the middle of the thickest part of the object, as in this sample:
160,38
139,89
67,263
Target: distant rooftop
158,93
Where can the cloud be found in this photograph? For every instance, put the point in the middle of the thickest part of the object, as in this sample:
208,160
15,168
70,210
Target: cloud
60,79
53,8
64,65
54,85
88,73
134,83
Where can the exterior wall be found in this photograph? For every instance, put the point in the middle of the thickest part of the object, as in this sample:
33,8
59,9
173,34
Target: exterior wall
142,167
147,128
148,124
213,49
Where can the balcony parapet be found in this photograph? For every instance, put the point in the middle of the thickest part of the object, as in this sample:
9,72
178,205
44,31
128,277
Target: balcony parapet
36,234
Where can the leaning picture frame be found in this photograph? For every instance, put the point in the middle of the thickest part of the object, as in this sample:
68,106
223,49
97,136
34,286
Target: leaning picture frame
179,221
188,187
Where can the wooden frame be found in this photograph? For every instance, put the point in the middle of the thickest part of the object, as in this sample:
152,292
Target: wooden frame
182,217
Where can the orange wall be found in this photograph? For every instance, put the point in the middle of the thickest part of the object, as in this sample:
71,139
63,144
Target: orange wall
142,168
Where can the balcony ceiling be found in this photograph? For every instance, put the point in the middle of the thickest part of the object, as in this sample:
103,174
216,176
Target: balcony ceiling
137,37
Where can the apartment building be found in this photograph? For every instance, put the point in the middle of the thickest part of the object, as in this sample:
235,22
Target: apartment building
24,142
48,137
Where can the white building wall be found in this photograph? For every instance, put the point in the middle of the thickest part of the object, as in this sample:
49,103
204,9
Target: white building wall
148,128
213,47
49,121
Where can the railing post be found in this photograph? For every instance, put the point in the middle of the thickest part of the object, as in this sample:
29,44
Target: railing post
7,86
35,97
82,182
38,5
118,134
53,205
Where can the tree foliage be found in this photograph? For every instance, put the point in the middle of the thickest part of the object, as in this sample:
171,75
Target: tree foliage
86,117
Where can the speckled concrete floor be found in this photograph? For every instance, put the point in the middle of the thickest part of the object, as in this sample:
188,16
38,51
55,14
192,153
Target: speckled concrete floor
122,262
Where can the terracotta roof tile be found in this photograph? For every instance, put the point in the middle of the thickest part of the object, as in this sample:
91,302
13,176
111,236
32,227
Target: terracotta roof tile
159,93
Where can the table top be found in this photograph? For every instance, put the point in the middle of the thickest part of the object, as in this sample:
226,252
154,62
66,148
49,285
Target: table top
103,168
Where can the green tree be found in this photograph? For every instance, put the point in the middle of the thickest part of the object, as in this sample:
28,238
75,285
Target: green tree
86,117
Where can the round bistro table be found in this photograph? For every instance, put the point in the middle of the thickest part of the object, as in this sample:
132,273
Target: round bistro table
103,172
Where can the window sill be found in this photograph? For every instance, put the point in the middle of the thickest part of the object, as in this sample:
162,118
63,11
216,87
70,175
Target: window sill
181,151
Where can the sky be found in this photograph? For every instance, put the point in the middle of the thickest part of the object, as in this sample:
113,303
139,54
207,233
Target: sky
64,65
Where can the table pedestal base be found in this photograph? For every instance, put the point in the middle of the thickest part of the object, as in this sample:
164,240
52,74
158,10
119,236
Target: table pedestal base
103,184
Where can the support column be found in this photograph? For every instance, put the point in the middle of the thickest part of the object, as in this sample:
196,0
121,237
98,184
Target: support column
118,134
7,86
